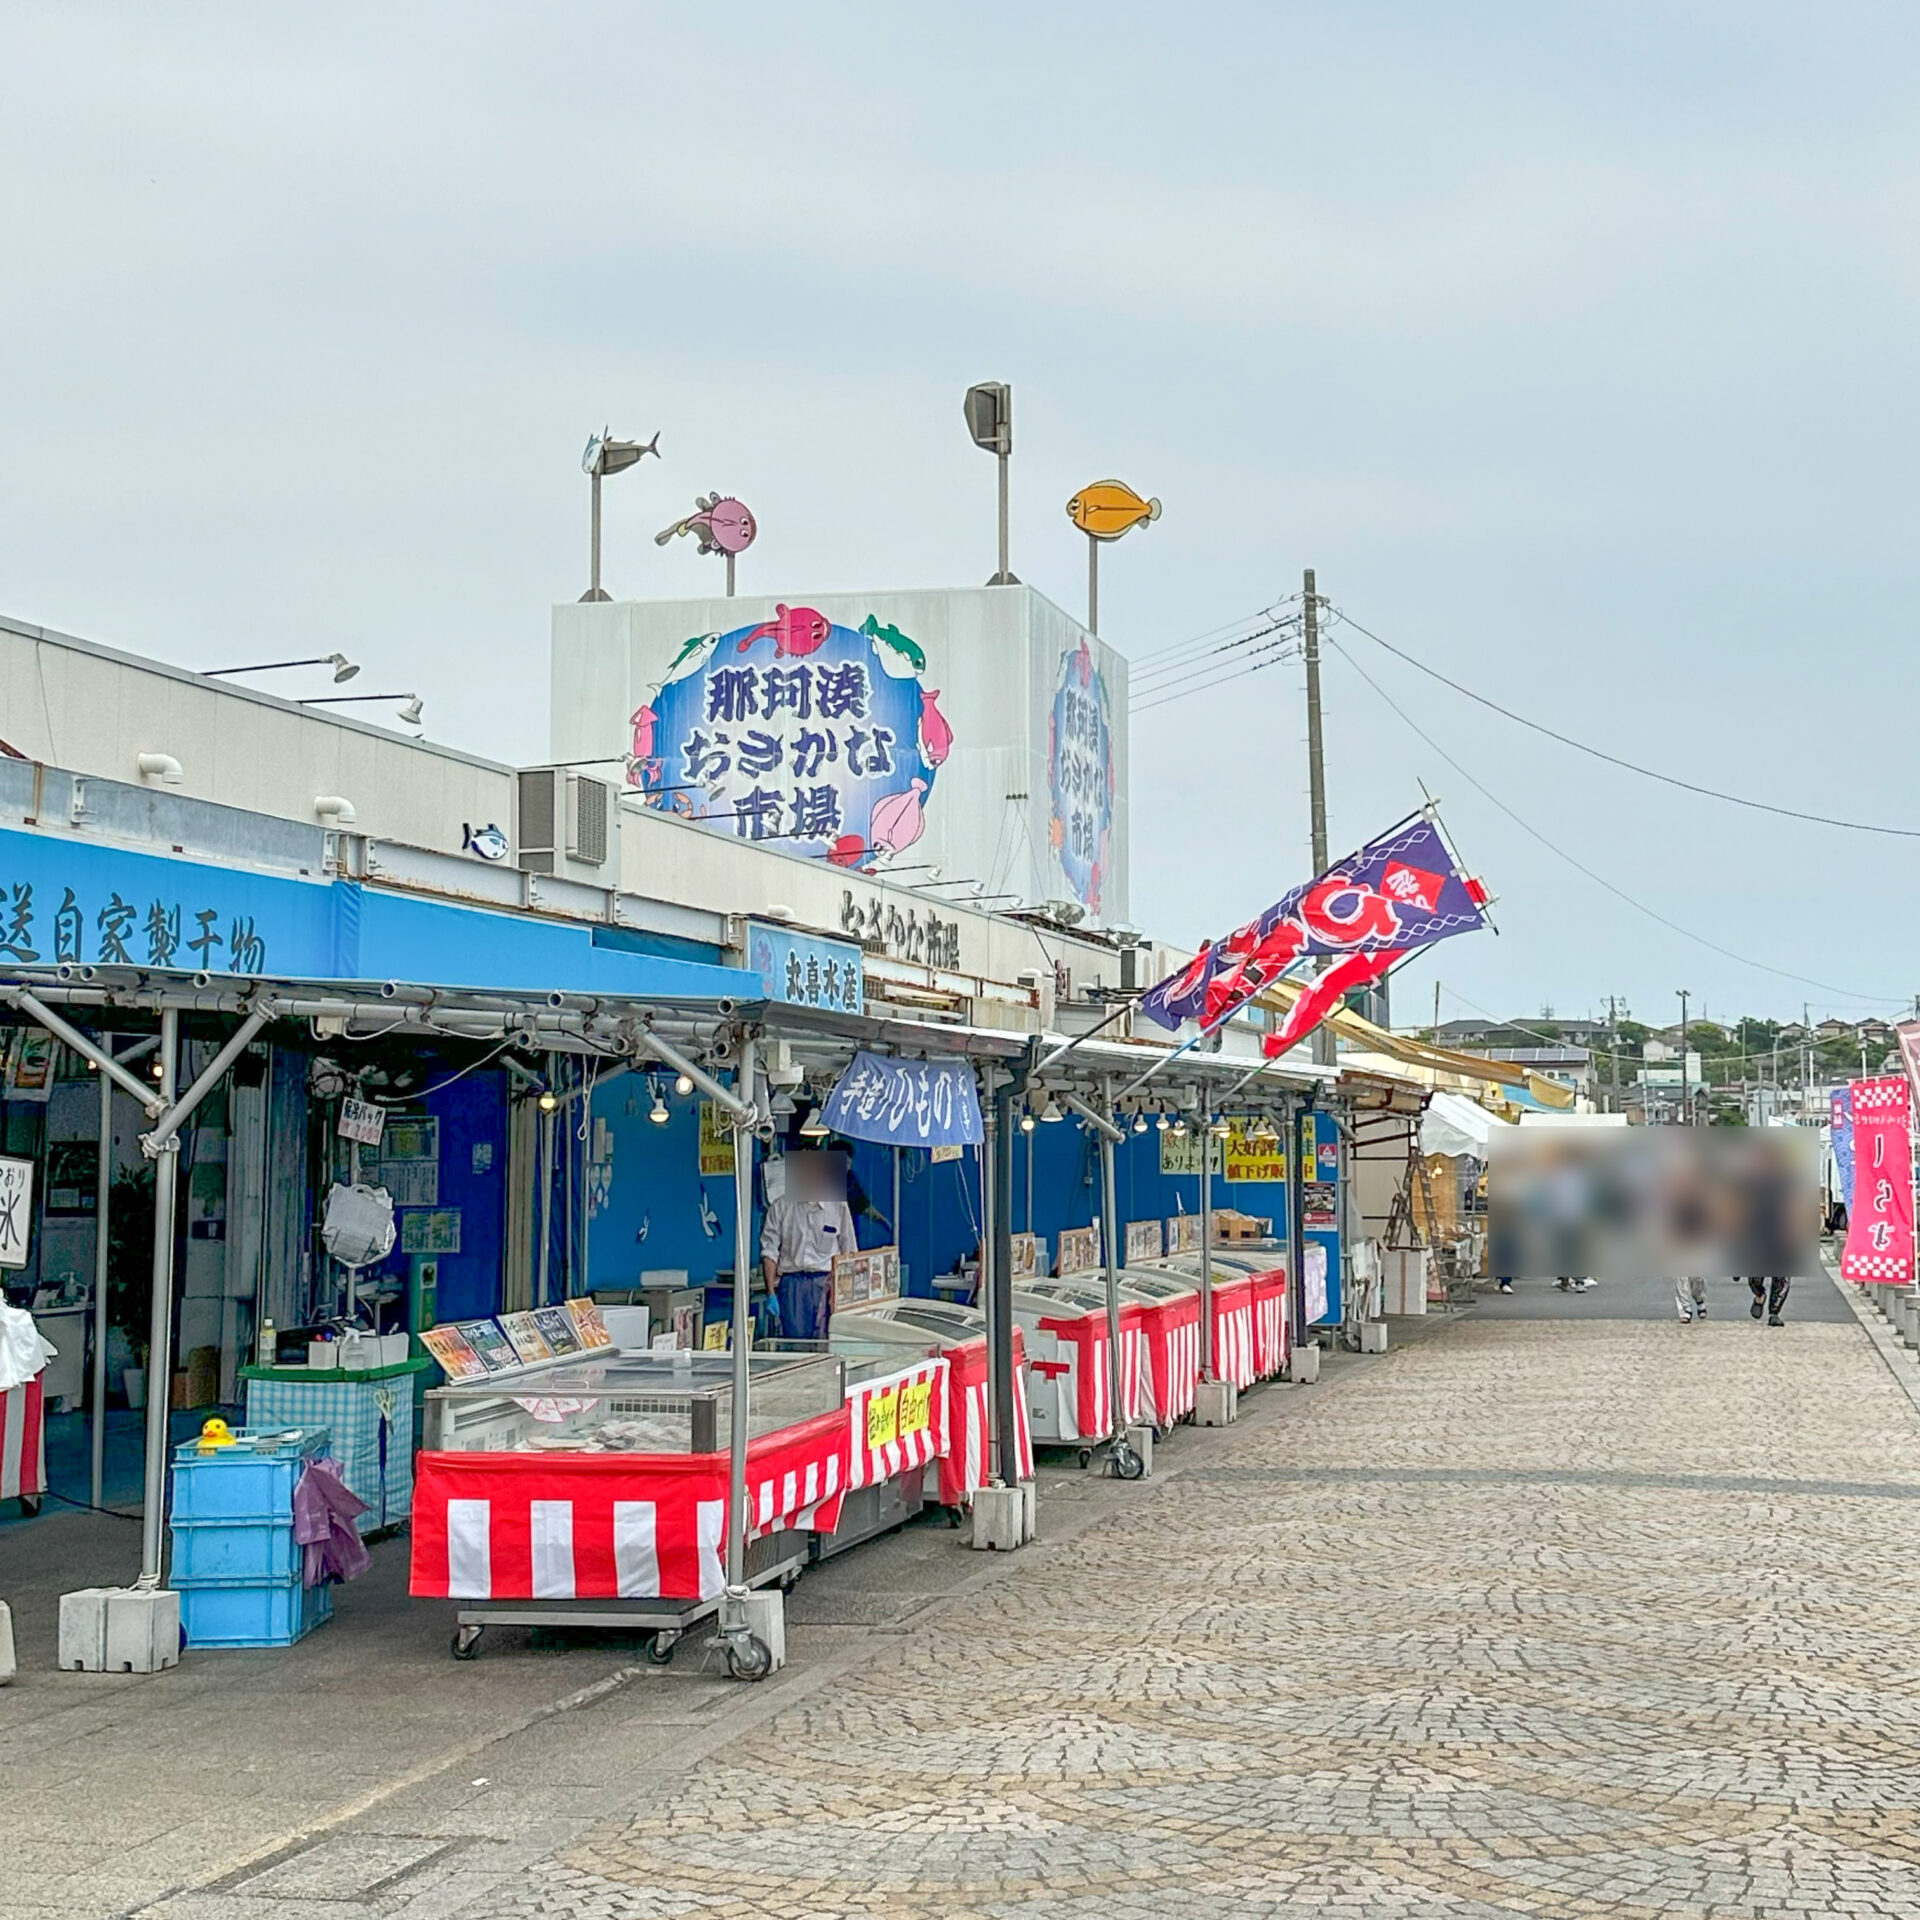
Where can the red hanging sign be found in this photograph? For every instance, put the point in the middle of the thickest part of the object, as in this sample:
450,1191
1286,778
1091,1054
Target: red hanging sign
1880,1222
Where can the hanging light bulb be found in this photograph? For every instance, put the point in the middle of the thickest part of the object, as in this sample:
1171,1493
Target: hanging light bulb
1051,1111
548,1100
682,1084
813,1127
1139,1123
1220,1128
1161,1123
1179,1126
658,1113
1026,1121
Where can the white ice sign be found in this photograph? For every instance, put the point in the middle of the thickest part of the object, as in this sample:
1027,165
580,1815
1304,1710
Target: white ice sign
16,1211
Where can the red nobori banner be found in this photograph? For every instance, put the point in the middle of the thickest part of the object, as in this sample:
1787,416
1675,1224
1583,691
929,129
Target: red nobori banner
1880,1221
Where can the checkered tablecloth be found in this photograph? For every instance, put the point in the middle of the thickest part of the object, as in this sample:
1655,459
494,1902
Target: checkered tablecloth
372,1426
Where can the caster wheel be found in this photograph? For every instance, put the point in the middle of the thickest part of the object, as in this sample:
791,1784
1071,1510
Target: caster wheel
659,1648
1127,1465
956,1517
1086,1458
466,1642
788,1581
749,1658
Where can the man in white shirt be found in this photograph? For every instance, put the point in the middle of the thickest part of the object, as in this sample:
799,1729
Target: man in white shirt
804,1230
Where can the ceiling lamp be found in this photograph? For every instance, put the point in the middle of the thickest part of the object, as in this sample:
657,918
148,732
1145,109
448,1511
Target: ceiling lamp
1139,1123
683,1085
1161,1123
1051,1112
813,1127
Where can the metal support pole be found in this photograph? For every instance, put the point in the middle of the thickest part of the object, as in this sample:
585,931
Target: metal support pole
593,591
1005,576
1296,1228
1110,1239
166,1130
723,1097
166,1173
742,1324
1206,1249
546,1199
1093,586
729,576
990,1126
69,1036
103,1194
1000,1309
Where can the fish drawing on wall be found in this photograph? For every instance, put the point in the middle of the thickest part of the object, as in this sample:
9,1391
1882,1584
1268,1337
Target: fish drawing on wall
709,1220
899,820
936,737
1108,508
896,642
794,631
722,524
488,841
646,1226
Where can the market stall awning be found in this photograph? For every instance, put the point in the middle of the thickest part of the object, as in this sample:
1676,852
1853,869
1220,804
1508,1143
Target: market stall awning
1454,1125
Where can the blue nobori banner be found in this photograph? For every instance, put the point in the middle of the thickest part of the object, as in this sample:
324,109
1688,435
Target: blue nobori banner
906,1103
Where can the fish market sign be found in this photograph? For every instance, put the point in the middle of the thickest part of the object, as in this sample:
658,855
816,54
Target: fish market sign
816,736
906,1103
879,924
1081,775
806,972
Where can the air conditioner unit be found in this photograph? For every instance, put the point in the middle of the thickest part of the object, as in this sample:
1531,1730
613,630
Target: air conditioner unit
564,816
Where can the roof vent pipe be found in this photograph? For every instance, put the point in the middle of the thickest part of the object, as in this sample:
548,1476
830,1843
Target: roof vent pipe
335,811
159,766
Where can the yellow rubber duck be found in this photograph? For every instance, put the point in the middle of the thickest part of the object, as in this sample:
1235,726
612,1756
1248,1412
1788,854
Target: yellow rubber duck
215,1434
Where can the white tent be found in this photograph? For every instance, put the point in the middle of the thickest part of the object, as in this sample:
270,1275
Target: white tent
1453,1124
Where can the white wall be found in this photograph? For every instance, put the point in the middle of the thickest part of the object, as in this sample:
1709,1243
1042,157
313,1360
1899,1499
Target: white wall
93,711
995,656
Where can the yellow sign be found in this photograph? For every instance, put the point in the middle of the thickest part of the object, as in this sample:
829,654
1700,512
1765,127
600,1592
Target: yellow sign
716,1140
883,1420
916,1407
1238,1157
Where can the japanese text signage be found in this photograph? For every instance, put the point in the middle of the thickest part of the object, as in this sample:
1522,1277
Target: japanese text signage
1880,1222
804,971
16,1211
906,1103
798,730
1081,775
922,937
861,1277
1079,1249
1144,1241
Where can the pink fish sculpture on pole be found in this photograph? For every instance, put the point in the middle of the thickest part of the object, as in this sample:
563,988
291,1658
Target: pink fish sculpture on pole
722,524
794,630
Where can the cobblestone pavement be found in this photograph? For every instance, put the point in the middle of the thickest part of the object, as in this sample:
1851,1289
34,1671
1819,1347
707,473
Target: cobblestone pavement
1535,1618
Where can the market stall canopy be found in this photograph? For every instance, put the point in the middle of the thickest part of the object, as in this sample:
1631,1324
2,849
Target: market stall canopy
1363,1034
1453,1125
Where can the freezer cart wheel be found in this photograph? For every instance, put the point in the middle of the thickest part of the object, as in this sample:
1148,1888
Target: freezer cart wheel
659,1648
466,1642
956,1517
1086,1458
749,1657
1126,1463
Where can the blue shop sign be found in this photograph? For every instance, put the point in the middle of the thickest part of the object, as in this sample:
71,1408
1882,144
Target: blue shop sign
906,1103
803,970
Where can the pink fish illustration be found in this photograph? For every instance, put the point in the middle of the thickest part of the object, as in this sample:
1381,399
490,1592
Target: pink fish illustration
643,723
848,851
795,631
936,737
723,524
899,820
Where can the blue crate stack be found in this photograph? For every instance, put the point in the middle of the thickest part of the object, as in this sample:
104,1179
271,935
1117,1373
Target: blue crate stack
236,1565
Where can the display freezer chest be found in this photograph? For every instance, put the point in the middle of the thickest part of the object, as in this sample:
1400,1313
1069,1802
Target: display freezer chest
630,1403
1249,1311
1170,1319
1087,1293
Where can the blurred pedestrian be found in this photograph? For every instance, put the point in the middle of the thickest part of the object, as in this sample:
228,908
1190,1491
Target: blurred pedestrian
1769,1296
1690,1296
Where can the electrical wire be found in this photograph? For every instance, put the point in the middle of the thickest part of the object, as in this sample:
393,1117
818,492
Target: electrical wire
1687,933
1214,633
1613,759
1273,656
1207,657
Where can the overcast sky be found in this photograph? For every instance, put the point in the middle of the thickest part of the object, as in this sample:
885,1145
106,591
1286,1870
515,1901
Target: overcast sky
1573,346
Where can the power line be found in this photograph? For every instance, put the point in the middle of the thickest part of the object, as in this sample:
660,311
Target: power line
1255,663
1613,759
1272,612
1687,933
1172,670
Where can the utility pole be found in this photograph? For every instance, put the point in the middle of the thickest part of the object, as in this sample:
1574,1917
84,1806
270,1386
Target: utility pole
1686,1115
1316,773
1613,1047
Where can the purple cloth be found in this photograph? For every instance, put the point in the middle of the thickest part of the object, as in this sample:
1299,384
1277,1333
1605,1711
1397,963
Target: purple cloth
323,1515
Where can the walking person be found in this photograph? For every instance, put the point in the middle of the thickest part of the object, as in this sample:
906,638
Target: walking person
1769,1296
1690,1297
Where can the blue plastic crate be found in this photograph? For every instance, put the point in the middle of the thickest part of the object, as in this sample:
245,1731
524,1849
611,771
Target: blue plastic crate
265,1614
206,1552
251,1480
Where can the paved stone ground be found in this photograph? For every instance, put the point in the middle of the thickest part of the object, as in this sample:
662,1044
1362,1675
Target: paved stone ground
1534,1617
